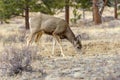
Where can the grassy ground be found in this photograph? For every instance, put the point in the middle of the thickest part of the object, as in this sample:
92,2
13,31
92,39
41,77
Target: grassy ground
99,59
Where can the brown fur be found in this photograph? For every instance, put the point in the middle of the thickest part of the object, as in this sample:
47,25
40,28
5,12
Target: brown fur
54,26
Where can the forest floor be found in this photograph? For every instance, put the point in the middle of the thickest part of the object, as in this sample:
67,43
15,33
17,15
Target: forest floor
99,58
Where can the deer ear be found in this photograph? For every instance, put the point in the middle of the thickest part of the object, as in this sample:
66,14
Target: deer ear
78,37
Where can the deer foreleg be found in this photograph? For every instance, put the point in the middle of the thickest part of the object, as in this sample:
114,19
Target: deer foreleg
61,49
59,43
53,47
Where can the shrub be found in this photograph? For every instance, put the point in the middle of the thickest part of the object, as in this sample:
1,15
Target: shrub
15,60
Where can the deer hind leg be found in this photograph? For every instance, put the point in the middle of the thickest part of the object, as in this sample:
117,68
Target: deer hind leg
35,35
59,43
38,36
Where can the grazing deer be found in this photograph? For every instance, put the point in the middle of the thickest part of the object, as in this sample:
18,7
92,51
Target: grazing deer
56,27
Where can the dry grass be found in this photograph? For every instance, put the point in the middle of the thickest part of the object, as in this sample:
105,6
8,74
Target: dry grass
30,62
18,60
100,54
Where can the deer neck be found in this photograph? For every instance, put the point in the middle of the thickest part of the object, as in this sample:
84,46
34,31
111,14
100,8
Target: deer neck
70,35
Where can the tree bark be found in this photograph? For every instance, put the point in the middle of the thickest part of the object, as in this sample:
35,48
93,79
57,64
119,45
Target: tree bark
67,11
26,15
96,13
115,10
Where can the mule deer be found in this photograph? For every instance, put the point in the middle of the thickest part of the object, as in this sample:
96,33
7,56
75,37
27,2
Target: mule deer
54,26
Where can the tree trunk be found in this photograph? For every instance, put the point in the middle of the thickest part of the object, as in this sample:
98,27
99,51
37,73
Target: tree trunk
26,15
96,13
115,10
67,11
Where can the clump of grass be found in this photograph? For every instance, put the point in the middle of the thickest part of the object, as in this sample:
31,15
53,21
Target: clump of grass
85,36
49,39
15,38
16,60
22,35
112,77
21,38
11,38
1,37
114,23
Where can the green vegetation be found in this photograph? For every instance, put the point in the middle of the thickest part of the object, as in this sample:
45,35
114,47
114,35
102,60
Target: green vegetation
11,8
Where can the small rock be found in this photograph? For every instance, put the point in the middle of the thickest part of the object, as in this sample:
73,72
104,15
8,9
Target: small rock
78,75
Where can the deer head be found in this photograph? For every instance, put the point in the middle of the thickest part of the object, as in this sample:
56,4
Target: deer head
77,42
